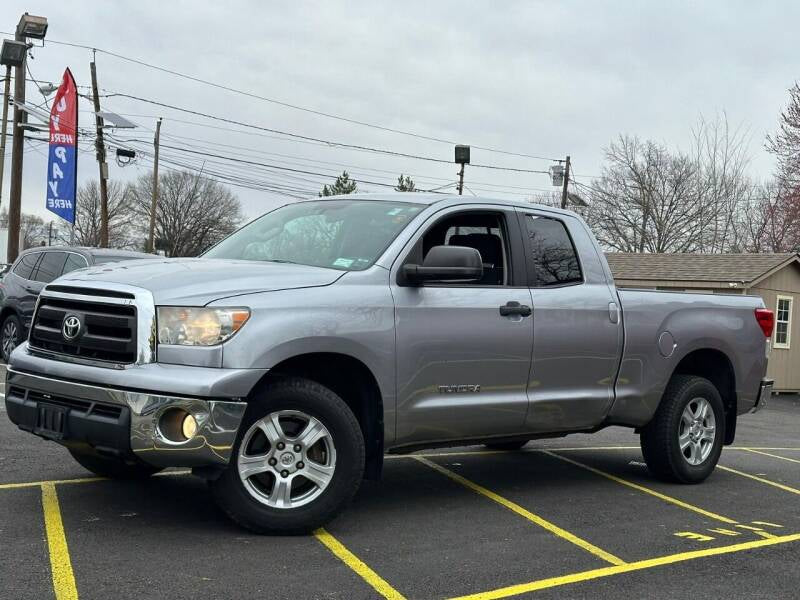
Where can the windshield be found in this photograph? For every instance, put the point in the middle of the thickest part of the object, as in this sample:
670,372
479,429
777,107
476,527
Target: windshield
348,235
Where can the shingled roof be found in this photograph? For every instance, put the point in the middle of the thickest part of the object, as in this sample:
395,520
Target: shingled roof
696,267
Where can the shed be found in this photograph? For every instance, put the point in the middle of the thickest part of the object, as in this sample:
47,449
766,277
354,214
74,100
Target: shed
774,277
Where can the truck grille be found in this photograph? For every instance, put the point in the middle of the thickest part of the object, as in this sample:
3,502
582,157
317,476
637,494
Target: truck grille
107,332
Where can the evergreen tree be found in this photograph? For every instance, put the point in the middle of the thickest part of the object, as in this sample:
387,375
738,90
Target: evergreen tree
405,184
342,185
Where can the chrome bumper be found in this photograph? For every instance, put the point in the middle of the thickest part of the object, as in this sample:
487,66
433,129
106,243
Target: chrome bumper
218,421
764,394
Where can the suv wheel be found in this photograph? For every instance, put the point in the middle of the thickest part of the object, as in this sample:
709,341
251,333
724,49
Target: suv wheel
10,336
298,460
683,442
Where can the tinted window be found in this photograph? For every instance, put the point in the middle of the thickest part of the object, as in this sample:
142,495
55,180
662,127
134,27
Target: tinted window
25,265
74,261
50,267
554,258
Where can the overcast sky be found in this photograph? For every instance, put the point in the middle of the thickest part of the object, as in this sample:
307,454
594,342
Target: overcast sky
539,78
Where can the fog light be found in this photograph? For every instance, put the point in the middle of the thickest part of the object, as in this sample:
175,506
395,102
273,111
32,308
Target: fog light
189,427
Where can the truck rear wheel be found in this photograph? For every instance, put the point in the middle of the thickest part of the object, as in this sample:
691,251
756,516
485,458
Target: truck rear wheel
298,460
113,468
683,442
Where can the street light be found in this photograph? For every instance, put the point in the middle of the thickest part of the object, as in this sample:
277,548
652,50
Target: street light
13,54
31,26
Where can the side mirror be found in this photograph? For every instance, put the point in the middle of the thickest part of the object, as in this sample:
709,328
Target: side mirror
447,263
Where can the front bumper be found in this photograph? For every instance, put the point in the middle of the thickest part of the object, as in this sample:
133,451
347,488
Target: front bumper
764,394
123,422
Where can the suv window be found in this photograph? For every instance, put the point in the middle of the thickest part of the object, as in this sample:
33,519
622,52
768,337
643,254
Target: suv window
555,261
74,261
483,231
50,267
26,264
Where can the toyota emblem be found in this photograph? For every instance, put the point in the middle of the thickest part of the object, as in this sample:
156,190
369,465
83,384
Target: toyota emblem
71,327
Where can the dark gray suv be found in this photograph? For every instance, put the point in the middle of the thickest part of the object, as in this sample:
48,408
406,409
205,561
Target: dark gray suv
35,268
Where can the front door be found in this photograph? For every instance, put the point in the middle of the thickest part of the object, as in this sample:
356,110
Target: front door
462,366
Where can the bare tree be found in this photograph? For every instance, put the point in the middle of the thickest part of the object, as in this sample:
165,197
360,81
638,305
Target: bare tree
33,231
120,215
646,199
785,143
770,221
723,187
192,214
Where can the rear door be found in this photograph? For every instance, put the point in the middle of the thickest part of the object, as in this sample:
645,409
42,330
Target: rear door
462,366
576,322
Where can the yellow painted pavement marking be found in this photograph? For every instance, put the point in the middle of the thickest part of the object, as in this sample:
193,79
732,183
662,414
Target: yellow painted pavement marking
644,489
780,486
356,564
767,524
60,564
516,508
723,531
29,484
794,460
541,584
694,536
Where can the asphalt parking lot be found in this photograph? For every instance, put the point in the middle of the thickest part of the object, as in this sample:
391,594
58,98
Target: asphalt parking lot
577,517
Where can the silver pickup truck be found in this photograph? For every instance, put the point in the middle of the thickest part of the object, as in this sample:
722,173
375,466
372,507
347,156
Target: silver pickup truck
286,361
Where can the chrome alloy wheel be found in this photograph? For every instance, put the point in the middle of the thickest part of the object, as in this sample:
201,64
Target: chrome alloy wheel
286,459
697,431
9,338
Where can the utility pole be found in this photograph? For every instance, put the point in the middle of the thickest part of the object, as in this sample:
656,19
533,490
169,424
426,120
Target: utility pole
6,92
461,158
17,148
101,160
566,183
154,202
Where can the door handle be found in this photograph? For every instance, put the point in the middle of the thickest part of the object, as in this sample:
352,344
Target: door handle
515,308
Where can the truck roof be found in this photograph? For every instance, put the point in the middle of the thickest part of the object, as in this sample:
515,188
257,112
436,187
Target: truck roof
430,198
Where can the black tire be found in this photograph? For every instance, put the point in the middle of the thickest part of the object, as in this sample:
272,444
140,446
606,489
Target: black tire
315,400
507,446
659,439
10,336
113,468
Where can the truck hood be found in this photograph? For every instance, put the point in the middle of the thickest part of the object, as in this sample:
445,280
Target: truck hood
198,281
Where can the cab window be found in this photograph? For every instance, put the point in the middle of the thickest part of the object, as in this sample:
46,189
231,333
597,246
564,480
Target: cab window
483,231
554,259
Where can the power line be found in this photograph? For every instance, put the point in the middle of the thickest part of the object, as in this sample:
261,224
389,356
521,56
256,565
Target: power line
315,139
287,104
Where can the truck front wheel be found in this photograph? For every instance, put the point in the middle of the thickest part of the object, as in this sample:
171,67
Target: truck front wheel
683,442
298,460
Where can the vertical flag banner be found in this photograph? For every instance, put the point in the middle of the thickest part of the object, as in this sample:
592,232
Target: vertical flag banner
62,164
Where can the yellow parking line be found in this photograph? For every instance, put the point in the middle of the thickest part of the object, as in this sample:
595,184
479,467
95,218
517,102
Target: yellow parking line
356,564
60,564
541,584
643,489
28,484
545,524
794,460
780,486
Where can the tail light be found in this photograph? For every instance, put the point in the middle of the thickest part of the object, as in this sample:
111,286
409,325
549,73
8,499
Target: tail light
766,320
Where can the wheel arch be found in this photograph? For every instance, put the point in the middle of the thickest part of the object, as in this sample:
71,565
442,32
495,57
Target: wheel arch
353,381
716,366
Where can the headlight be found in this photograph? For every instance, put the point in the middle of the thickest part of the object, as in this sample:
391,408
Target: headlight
188,326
